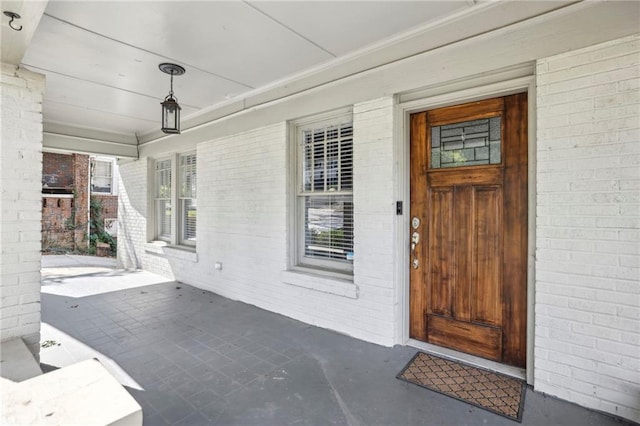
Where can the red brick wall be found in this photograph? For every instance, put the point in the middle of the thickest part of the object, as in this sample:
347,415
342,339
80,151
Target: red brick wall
57,170
81,187
60,227
56,214
109,205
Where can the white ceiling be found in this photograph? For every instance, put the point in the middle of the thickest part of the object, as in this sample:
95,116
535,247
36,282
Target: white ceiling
101,58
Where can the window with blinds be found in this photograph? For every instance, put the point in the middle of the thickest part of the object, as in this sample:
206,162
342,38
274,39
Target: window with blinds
325,194
101,176
187,198
176,199
163,207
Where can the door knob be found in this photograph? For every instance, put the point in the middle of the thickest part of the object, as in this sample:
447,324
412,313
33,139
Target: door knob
415,239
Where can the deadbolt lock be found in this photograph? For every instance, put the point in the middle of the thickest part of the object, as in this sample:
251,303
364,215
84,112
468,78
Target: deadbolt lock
415,222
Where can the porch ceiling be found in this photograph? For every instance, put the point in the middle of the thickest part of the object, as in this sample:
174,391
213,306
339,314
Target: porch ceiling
101,58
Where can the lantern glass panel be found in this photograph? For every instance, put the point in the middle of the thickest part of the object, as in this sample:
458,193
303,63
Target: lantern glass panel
170,116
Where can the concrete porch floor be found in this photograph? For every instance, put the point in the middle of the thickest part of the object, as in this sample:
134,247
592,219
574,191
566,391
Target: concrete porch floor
190,357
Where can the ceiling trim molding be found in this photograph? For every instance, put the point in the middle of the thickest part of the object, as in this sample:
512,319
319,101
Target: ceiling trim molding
487,79
63,138
72,144
88,133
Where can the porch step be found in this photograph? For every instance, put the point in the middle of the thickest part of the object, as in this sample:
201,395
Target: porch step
82,394
16,361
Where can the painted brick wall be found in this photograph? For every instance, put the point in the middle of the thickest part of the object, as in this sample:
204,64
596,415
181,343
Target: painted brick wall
20,205
242,217
134,251
132,206
243,210
587,313
374,212
243,224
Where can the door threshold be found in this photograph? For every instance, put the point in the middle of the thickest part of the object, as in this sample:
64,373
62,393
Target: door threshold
516,372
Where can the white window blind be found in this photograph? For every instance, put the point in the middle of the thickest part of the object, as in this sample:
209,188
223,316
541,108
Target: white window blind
163,200
187,198
325,197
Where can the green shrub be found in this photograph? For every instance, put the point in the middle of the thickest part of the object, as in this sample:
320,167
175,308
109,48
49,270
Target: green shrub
97,234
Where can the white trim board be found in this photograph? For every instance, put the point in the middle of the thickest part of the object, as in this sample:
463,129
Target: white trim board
66,144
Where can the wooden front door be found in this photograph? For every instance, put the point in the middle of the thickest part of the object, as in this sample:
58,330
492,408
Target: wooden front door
469,228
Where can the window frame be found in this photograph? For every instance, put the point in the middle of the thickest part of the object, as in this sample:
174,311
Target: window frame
112,177
297,258
156,200
182,219
178,218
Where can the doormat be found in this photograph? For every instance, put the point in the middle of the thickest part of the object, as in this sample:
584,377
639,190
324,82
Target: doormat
491,391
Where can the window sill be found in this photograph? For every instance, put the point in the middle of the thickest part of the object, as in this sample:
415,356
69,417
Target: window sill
165,249
57,195
310,279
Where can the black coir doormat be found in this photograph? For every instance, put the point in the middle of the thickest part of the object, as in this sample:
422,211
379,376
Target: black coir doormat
491,391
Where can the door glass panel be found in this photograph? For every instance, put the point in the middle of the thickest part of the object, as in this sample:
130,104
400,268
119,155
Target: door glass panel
468,143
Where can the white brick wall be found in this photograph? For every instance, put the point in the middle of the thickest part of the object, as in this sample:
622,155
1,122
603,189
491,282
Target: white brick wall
134,251
132,211
587,313
20,205
243,210
374,212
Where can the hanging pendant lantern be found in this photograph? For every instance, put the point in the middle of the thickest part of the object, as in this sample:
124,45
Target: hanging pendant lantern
170,107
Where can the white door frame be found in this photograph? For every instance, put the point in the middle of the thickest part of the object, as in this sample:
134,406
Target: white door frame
503,83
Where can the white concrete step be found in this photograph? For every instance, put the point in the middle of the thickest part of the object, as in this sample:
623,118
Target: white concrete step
16,361
81,394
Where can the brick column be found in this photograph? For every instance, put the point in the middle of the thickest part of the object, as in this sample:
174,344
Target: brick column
81,179
20,205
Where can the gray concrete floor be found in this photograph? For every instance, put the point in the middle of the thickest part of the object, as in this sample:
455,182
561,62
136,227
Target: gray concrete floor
190,357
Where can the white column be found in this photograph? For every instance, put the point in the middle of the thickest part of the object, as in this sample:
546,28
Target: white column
20,204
